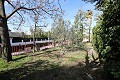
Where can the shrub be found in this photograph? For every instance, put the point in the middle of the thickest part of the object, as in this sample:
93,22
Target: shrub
106,42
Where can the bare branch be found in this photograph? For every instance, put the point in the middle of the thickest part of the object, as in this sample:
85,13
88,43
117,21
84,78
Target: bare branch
24,8
46,12
42,8
17,12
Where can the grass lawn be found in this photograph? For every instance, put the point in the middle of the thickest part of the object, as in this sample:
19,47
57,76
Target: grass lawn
17,62
48,65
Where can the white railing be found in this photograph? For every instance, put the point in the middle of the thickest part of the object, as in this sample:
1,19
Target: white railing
26,43
31,42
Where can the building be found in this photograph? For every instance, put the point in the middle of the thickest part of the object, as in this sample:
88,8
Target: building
20,44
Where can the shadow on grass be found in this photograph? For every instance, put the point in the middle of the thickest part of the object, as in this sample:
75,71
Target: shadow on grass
45,70
21,57
47,51
74,48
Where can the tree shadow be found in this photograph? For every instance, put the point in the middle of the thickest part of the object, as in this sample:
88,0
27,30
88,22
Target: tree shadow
93,67
47,51
45,70
21,57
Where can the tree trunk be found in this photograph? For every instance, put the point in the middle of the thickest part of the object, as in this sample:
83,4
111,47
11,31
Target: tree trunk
6,47
89,33
34,42
82,33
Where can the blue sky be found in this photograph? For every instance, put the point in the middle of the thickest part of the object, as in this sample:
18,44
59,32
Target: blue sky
71,7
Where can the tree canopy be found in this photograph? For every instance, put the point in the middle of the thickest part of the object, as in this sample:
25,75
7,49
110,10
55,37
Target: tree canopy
106,39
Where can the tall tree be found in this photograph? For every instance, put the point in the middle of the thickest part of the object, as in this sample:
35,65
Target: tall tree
40,7
72,36
60,30
88,16
79,26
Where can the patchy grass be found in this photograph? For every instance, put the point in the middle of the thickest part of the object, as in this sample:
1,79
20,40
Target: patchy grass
45,65
18,61
73,58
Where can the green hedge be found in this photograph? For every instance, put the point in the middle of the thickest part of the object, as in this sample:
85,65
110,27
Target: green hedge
106,41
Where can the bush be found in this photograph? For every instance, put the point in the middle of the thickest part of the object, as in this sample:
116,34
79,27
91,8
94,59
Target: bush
106,42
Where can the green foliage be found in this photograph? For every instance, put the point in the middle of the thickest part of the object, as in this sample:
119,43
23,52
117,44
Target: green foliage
107,45
100,4
76,31
114,68
111,16
97,40
59,30
39,33
106,39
